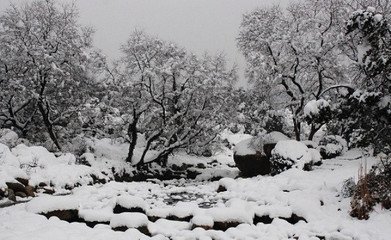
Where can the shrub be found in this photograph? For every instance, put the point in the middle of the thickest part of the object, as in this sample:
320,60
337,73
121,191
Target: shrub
372,188
332,146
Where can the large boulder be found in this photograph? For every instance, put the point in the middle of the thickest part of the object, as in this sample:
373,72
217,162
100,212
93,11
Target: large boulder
252,156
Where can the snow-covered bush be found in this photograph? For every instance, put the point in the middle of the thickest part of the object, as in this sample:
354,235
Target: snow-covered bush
317,113
348,188
332,146
372,188
8,137
48,62
172,97
288,153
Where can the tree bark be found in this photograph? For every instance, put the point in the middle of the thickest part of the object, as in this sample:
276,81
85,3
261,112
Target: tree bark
297,128
48,124
132,134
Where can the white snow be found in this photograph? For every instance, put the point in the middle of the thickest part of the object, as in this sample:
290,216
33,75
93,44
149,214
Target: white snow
129,219
128,201
245,147
273,137
202,220
294,150
313,107
46,204
96,215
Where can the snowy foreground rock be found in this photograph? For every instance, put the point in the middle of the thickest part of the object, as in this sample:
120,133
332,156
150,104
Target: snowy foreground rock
294,204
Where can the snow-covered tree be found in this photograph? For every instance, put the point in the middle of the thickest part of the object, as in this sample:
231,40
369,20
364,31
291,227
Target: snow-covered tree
170,96
363,116
45,66
293,56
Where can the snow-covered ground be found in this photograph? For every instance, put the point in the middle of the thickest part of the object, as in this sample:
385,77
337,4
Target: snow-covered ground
313,196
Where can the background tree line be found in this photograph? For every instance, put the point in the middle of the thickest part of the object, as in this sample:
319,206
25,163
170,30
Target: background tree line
57,87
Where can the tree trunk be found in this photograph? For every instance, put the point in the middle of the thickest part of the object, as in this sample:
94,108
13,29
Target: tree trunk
48,124
132,134
313,131
297,128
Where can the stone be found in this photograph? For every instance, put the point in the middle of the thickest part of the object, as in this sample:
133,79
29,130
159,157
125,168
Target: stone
69,215
2,193
252,165
21,194
223,226
252,156
120,209
16,187
30,191
23,181
11,195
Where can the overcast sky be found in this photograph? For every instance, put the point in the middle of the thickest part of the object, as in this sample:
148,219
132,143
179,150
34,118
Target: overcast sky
198,25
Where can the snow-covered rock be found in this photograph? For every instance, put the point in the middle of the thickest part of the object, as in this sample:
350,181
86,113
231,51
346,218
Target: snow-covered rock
252,156
129,220
47,204
288,153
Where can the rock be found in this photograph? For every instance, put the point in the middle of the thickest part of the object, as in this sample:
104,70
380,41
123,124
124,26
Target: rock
221,189
16,187
252,156
207,153
181,219
289,153
94,223
293,219
23,181
2,193
11,195
48,190
42,184
21,194
30,191
202,221
265,219
69,215
223,226
252,165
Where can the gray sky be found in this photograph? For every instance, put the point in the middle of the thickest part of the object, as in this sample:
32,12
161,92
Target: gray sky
198,25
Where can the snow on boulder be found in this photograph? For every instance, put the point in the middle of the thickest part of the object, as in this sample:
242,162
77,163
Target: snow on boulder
252,156
47,204
274,137
288,153
203,221
128,203
96,215
124,221
168,227
249,158
63,207
225,218
226,184
183,211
